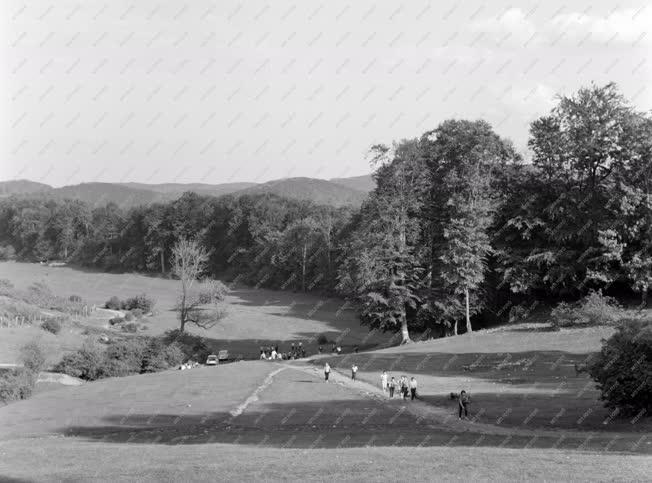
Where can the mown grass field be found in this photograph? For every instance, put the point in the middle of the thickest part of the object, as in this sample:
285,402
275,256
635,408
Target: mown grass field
533,417
181,425
255,317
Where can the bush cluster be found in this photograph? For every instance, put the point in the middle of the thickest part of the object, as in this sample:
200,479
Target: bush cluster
18,383
594,309
121,358
7,252
141,302
193,347
623,368
51,325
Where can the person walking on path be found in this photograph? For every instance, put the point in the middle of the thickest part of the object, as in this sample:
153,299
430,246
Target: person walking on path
413,388
404,387
327,371
464,401
354,371
383,381
392,387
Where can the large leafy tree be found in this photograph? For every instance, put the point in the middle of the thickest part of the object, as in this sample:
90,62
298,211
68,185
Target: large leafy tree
462,158
383,270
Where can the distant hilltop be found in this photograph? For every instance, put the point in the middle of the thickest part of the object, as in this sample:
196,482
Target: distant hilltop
336,191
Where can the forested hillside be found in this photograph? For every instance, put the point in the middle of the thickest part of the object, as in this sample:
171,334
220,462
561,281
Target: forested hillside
458,230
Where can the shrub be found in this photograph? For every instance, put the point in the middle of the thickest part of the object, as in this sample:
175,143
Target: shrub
192,346
567,315
51,325
114,303
32,356
7,252
142,302
594,309
116,320
10,309
601,310
211,291
86,363
129,316
126,357
322,339
75,298
16,384
130,327
622,368
137,313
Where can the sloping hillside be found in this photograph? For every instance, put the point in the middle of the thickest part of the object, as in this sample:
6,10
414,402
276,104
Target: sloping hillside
364,183
318,190
99,194
178,189
22,186
339,192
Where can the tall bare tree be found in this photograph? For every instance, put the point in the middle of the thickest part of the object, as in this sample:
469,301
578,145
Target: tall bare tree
198,300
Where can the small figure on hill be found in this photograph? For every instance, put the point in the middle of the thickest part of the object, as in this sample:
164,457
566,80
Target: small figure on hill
333,348
413,388
392,387
355,348
463,402
339,350
354,371
320,349
274,354
262,355
383,381
292,348
327,371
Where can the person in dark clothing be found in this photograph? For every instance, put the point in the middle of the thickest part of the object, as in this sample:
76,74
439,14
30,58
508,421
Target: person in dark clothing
464,401
392,387
320,349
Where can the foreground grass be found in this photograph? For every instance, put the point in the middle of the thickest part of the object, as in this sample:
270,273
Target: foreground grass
83,461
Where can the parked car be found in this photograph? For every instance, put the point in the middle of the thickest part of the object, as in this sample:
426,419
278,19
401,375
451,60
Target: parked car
223,355
211,360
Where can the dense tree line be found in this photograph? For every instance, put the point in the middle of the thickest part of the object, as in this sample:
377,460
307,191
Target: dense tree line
458,229
260,239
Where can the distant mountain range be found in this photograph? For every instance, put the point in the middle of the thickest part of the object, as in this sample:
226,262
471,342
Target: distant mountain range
336,192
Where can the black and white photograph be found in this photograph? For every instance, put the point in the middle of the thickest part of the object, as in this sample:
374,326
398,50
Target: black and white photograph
345,241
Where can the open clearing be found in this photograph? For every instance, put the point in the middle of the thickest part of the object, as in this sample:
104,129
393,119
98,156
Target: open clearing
255,317
533,417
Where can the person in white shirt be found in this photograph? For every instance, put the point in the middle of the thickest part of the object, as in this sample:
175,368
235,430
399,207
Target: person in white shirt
383,381
273,357
354,371
413,388
327,371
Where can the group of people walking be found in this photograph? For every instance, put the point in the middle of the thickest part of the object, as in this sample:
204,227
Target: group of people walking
406,388
273,353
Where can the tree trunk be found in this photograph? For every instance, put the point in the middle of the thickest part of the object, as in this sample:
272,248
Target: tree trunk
404,330
468,316
162,260
455,327
303,267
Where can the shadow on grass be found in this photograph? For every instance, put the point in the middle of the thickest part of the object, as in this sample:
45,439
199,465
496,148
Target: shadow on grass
308,425
536,389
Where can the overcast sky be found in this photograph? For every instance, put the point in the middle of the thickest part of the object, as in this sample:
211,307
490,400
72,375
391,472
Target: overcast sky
197,91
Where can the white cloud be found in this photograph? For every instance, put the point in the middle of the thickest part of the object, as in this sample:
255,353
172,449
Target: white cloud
626,25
